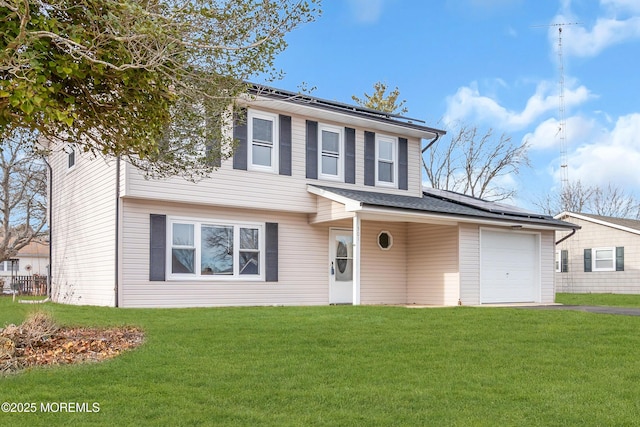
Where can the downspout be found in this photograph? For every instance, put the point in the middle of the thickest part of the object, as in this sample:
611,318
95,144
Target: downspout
117,249
433,141
573,231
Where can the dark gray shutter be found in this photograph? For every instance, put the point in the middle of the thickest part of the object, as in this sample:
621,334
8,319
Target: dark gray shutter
369,158
285,145
158,247
271,254
349,155
312,149
587,260
403,164
620,258
214,152
240,136
564,261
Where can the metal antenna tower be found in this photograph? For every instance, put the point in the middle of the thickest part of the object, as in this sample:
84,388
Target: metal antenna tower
562,134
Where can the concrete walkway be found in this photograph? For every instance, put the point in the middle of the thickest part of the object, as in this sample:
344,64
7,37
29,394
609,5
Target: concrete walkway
587,308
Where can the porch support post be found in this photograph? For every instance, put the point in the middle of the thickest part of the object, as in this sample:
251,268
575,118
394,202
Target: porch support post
356,259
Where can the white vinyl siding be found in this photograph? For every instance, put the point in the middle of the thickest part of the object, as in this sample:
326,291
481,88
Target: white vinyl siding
246,189
595,235
469,258
83,230
303,275
383,276
433,273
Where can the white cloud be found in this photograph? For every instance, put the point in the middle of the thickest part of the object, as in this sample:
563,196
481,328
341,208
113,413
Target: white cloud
622,5
611,157
580,42
578,129
366,11
468,103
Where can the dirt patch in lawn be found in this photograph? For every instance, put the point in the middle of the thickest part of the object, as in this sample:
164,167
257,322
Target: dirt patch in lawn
39,341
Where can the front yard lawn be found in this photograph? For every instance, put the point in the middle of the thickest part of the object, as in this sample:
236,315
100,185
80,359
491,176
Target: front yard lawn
342,365
617,300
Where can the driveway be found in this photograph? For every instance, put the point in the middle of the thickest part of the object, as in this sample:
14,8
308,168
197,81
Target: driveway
589,308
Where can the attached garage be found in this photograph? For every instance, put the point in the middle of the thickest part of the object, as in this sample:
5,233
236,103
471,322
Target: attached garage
509,266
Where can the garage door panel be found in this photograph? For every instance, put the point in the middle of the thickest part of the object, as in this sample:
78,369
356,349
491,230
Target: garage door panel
509,267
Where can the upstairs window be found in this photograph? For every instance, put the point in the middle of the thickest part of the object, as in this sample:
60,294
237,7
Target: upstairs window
331,152
71,156
262,134
386,161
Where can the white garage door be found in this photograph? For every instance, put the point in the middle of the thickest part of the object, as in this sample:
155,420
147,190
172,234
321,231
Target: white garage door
509,267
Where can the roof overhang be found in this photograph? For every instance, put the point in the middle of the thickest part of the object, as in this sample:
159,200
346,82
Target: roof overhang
299,104
397,214
596,221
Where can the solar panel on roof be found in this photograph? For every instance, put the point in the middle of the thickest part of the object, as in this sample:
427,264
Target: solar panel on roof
474,202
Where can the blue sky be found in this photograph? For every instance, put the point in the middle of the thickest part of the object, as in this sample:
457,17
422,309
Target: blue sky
492,64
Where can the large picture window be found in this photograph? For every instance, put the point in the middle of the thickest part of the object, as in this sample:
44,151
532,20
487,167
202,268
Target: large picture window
386,162
262,134
331,150
210,250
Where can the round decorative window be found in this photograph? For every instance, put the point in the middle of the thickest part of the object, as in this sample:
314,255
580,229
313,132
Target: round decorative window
385,240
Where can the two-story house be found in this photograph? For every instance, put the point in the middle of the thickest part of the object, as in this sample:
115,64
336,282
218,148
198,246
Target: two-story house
321,203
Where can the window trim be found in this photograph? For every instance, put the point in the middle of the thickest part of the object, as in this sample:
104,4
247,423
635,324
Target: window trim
390,240
594,256
72,153
394,170
198,223
273,118
340,156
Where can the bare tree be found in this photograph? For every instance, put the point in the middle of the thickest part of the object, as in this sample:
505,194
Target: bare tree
613,201
472,162
576,197
23,186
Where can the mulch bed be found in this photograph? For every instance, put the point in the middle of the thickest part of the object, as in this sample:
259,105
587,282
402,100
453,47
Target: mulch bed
38,341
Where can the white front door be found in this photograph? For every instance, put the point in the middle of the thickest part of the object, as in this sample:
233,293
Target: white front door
341,267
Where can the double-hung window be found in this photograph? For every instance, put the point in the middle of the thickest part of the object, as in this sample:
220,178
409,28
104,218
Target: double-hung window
604,259
386,161
215,250
263,137
331,152
10,265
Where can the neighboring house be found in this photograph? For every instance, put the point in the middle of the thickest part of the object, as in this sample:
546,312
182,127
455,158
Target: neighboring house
322,203
603,256
31,260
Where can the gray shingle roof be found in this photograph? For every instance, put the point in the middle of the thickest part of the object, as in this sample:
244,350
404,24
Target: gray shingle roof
440,204
623,222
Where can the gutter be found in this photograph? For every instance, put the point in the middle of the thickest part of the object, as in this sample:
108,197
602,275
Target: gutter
573,231
433,141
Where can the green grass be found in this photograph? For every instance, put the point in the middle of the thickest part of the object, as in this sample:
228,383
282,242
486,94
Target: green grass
616,300
344,365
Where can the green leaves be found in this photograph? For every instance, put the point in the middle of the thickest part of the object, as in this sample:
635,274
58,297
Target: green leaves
121,76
